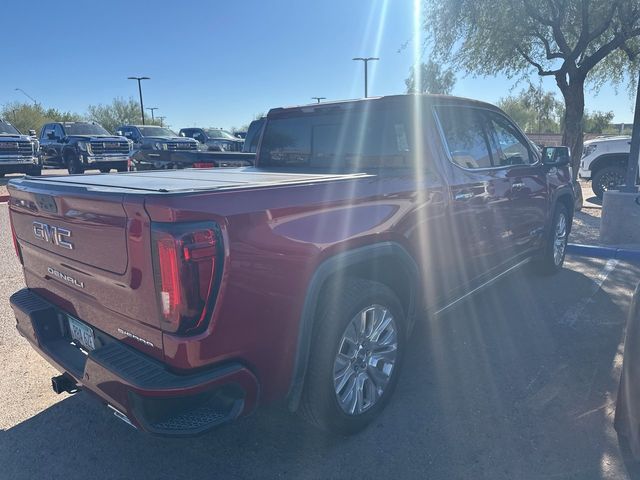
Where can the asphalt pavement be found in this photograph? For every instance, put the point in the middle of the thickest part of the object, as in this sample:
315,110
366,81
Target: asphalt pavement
518,382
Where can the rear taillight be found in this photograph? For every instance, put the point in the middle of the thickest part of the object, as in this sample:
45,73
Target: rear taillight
203,165
16,245
188,266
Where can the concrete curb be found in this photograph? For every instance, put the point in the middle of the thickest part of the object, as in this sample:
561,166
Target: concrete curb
604,252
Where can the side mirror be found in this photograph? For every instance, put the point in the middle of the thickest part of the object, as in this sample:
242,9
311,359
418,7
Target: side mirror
119,133
51,136
556,156
32,133
182,134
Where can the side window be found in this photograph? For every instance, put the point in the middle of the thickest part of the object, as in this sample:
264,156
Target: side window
465,137
508,146
57,130
45,132
199,136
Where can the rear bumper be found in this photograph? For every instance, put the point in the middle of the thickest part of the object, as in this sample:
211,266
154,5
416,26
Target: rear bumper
137,387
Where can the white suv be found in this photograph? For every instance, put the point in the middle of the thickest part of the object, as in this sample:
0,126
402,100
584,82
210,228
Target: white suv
604,161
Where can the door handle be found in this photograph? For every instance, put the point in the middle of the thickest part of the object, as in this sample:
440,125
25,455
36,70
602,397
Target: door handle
517,185
462,196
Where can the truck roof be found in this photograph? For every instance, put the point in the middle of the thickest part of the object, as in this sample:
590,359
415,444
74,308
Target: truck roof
400,99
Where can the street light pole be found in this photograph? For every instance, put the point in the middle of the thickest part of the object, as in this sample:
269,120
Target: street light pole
634,154
161,121
152,109
27,95
318,98
366,61
139,79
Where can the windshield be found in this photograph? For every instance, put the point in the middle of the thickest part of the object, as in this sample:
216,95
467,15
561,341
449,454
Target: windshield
156,132
8,129
84,129
218,133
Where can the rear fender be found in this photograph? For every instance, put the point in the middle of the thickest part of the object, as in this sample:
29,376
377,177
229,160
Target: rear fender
329,267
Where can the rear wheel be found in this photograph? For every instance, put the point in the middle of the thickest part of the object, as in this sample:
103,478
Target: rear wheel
36,171
552,258
74,166
608,178
105,170
359,342
123,168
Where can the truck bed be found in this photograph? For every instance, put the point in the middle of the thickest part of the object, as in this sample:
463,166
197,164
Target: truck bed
177,181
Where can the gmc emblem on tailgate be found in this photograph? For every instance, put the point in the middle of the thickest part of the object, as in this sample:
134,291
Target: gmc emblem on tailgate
56,235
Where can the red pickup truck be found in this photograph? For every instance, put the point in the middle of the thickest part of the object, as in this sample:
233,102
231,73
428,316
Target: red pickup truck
184,299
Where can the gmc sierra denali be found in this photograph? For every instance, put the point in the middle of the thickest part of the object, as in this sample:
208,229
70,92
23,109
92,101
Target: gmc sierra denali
184,299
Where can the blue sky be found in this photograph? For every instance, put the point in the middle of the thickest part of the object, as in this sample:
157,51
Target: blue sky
218,63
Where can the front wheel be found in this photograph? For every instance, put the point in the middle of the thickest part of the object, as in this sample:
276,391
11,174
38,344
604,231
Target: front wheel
359,342
74,166
105,170
608,178
552,258
35,171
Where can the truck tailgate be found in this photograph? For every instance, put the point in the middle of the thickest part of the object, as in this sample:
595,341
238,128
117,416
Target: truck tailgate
91,232
88,253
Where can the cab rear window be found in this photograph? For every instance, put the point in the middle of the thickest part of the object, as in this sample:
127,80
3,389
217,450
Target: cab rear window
343,139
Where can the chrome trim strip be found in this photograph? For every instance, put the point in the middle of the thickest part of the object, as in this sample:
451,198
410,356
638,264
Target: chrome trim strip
485,284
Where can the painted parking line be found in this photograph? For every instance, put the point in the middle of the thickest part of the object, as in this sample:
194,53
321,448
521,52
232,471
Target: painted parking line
577,311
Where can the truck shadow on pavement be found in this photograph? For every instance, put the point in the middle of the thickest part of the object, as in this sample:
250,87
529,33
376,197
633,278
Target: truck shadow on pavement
518,382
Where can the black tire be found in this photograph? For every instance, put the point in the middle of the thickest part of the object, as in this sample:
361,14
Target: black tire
74,166
2,175
608,178
124,168
549,263
105,170
320,404
35,171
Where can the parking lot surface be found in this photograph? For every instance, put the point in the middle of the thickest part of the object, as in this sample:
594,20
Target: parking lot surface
518,382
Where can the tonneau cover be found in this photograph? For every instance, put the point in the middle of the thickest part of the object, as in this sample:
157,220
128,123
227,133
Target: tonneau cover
173,181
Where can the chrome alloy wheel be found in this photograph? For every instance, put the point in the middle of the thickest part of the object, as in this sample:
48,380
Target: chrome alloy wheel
365,360
560,239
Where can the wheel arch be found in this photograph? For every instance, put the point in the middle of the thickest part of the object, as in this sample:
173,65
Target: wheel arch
370,262
608,159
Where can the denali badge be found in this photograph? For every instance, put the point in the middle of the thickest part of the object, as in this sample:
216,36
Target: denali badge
135,337
56,235
65,277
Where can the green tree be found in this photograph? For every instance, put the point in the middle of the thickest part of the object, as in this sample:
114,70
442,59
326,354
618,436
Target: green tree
534,110
430,77
597,122
573,41
29,116
118,112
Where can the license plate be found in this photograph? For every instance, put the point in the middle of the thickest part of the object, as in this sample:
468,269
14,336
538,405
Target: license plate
82,333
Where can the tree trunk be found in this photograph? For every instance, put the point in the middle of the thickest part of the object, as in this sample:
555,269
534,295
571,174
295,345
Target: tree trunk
572,136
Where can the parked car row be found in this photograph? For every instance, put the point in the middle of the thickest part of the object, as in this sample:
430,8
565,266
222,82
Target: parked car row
83,146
